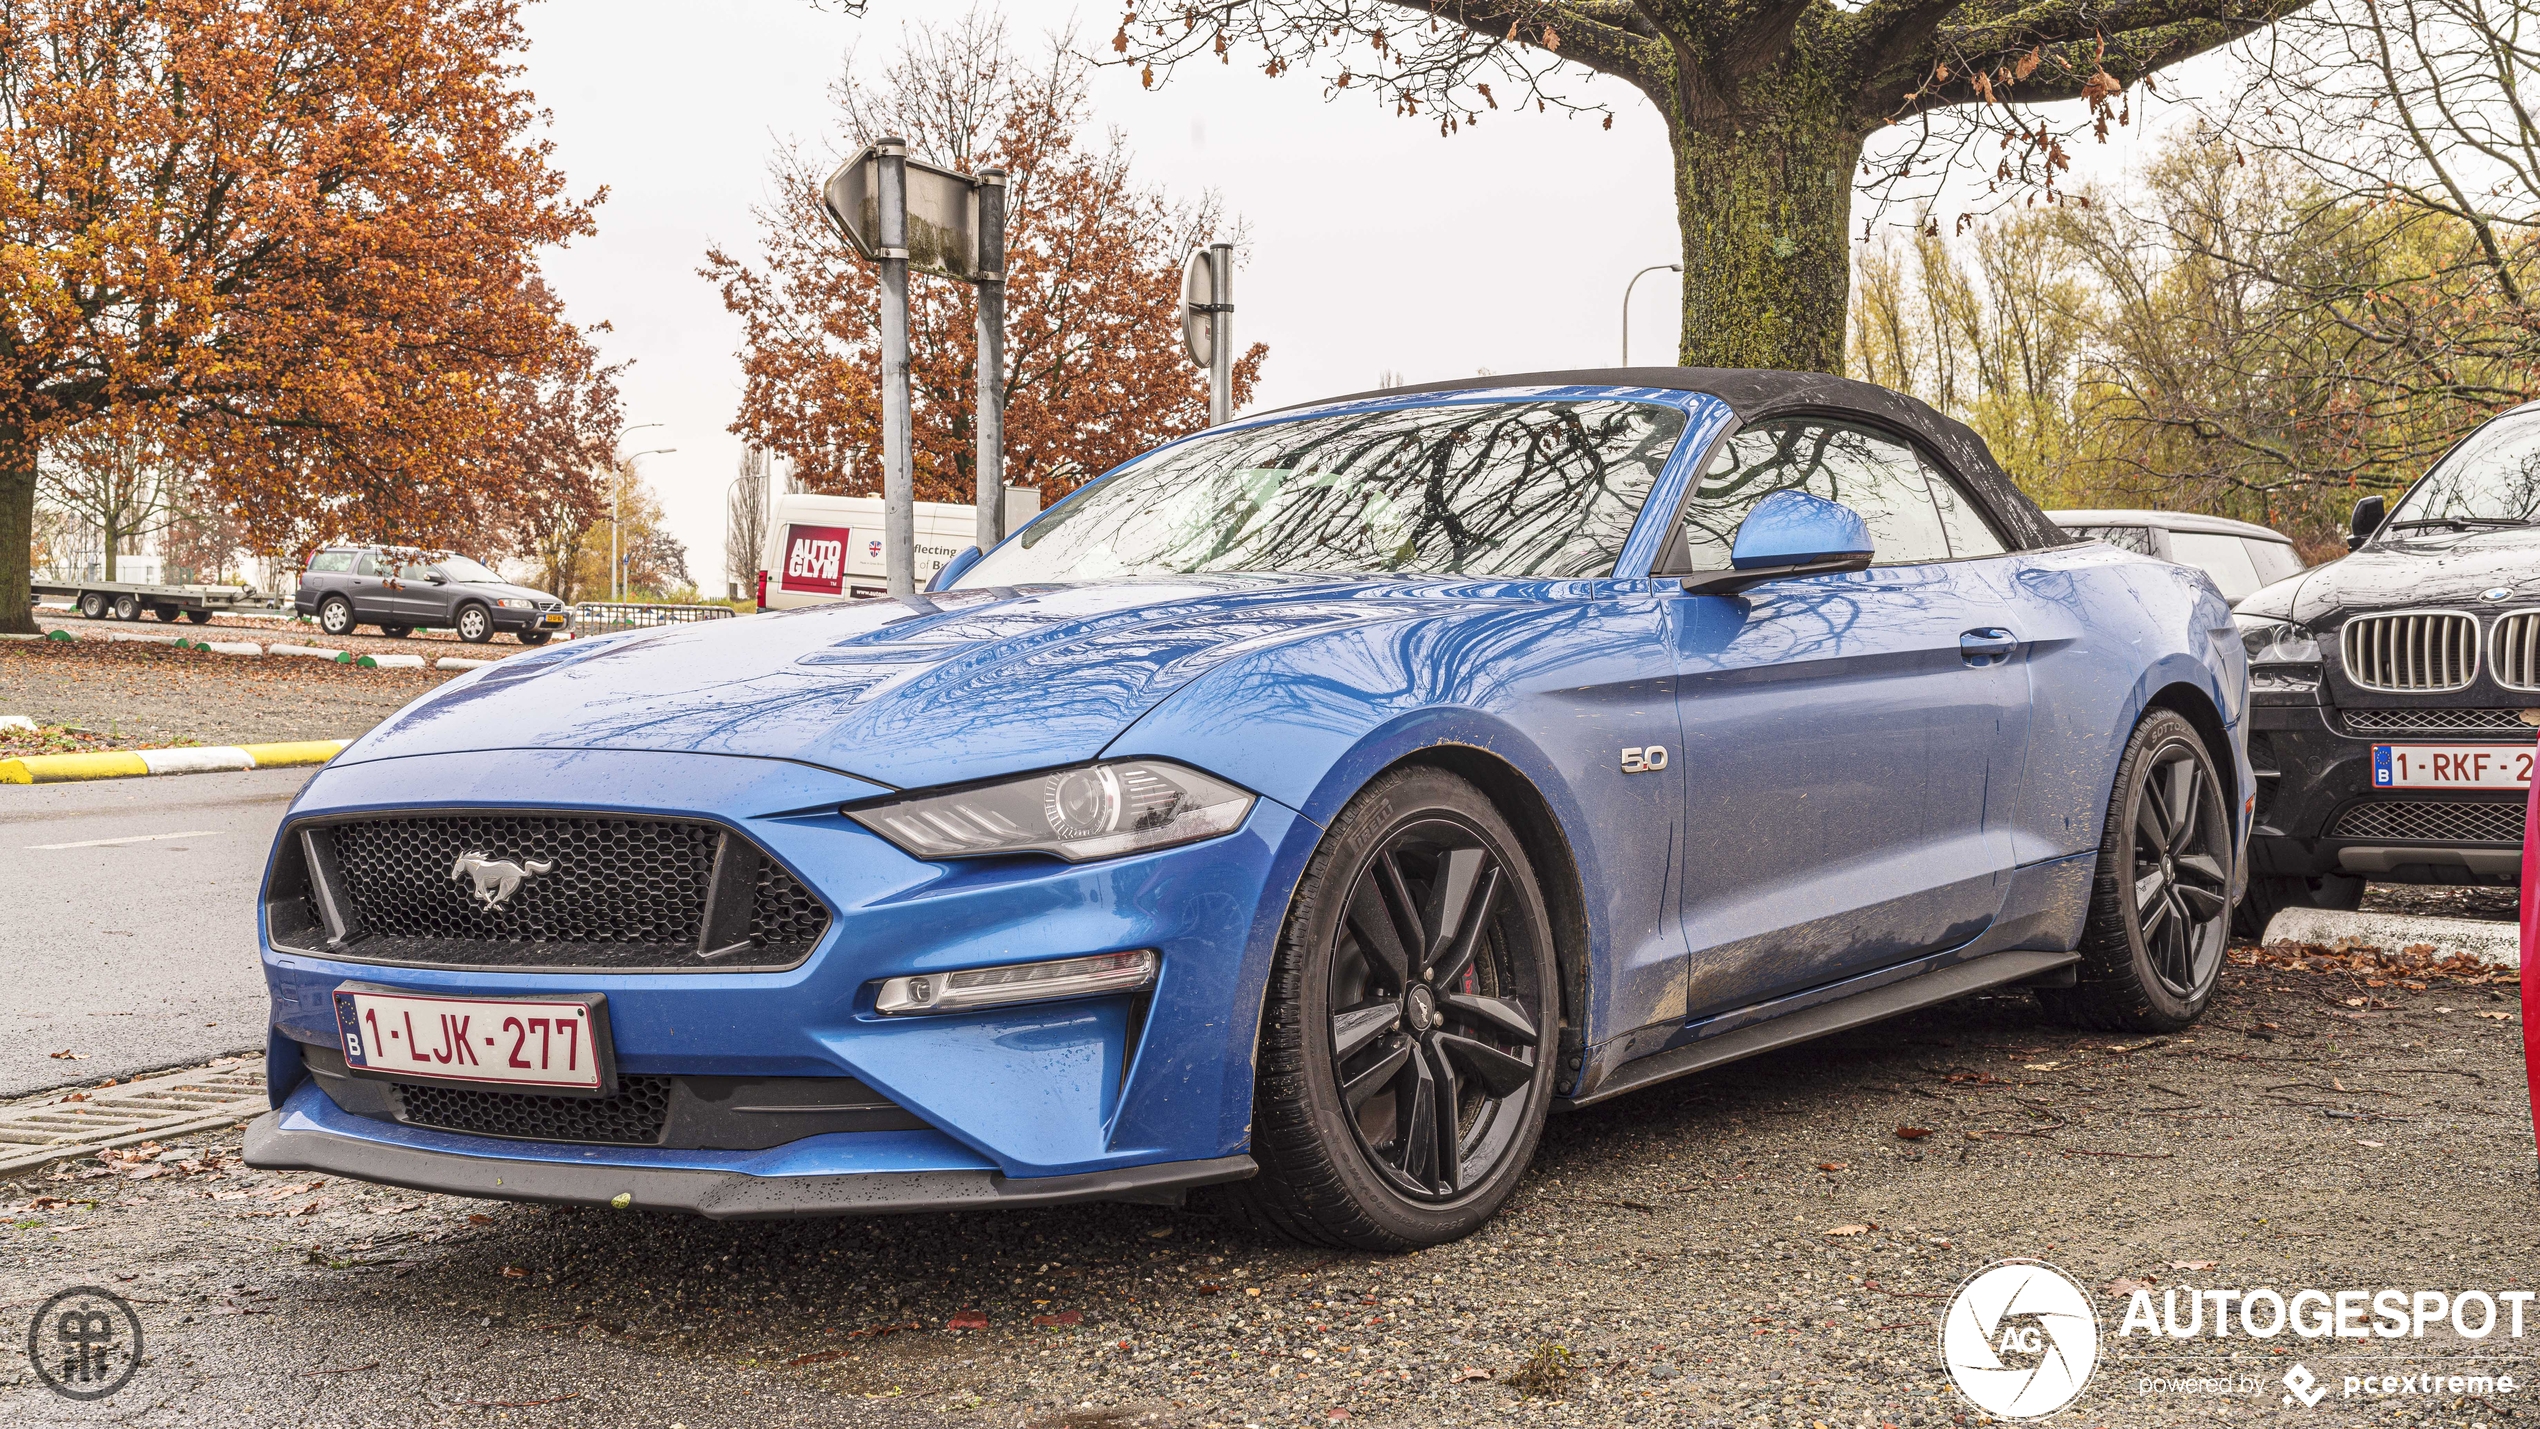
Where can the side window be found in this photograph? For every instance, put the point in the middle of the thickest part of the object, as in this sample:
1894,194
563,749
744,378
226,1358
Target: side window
1969,533
2125,538
1873,474
2225,558
414,571
367,564
331,563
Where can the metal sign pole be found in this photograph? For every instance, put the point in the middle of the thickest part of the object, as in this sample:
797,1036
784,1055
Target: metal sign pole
991,364
899,480
1221,339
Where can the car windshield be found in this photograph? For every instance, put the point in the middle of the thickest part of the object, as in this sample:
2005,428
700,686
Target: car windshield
1531,488
2491,479
460,568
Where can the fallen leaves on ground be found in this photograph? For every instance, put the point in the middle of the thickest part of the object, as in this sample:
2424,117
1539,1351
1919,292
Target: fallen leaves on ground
2128,1285
2194,1264
1061,1319
1862,1229
2416,962
1912,1133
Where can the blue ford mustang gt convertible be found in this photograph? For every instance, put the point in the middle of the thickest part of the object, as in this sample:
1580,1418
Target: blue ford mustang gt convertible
1306,809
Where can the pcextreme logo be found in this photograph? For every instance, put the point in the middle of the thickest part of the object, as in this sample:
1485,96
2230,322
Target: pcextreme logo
2020,1339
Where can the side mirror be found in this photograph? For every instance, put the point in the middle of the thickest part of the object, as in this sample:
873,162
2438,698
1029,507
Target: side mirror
1787,535
436,578
962,560
2367,520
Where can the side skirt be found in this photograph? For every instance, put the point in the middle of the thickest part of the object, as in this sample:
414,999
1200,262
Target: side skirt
1873,1005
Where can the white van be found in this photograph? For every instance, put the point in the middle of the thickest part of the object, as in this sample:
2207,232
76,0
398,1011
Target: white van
825,548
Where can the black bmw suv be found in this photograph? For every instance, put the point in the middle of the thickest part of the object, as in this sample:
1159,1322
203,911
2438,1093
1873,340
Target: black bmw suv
401,590
2394,691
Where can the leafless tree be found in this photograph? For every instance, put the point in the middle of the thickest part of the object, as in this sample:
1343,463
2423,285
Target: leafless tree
114,480
745,509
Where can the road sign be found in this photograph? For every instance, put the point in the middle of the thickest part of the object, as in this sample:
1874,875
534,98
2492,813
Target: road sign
1208,322
943,214
1199,303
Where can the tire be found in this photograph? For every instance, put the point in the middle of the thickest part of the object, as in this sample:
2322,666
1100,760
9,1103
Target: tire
335,615
1352,1006
534,637
199,617
92,604
2152,949
476,624
2271,894
396,632
127,606
167,613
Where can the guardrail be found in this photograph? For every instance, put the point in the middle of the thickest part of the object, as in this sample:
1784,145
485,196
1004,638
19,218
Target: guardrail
594,617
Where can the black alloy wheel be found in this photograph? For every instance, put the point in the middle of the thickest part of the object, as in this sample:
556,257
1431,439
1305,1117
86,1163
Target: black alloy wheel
534,637
1406,1066
335,615
2160,912
476,624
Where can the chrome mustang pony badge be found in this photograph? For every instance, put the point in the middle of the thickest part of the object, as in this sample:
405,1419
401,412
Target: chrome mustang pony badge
497,879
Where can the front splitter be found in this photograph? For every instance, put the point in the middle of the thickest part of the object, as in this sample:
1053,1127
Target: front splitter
721,1195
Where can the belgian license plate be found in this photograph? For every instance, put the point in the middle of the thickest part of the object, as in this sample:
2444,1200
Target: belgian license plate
552,1044
2451,766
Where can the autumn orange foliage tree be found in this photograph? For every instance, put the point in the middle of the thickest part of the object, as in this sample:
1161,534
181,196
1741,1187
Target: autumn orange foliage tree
295,239
1095,370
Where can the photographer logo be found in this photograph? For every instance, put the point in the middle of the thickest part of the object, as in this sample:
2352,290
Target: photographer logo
2020,1339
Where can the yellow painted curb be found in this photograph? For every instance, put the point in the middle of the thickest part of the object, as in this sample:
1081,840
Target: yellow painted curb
283,756
197,759
54,768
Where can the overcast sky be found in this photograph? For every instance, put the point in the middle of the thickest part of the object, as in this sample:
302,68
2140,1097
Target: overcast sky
1376,245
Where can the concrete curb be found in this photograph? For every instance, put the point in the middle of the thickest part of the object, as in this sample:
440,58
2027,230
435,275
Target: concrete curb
2498,943
461,662
129,763
314,652
390,662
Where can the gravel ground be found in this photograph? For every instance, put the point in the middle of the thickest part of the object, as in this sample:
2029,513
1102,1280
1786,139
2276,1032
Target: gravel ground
146,695
1757,1246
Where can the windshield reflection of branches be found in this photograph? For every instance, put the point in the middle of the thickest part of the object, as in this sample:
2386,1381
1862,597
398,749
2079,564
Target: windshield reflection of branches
1507,489
2495,476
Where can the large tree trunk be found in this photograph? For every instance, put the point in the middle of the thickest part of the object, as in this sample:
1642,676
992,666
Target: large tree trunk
17,529
1765,206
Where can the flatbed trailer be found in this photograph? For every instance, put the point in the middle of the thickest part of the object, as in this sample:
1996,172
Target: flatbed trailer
130,600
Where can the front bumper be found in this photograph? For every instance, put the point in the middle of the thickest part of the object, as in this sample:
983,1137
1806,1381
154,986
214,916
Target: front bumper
1065,1100
514,618
2315,775
311,1134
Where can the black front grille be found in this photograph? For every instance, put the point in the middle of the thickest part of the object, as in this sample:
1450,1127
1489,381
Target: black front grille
2435,721
2449,821
633,1115
550,890
637,881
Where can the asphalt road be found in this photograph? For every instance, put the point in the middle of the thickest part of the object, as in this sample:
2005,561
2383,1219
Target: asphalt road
130,939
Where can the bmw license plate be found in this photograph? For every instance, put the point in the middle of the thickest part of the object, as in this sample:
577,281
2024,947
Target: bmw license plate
556,1044
2451,766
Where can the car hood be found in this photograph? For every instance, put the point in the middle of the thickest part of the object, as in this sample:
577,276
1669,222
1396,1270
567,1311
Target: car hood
924,690
2408,570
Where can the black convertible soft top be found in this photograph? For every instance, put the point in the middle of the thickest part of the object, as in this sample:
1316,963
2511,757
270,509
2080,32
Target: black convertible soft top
1756,393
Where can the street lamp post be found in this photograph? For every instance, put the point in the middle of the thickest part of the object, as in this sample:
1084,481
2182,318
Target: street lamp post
617,563
1627,302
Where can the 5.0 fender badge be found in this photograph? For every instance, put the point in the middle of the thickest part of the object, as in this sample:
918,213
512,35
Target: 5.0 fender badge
1645,759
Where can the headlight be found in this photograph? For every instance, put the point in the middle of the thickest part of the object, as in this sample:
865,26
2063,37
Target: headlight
1092,811
2270,641
514,603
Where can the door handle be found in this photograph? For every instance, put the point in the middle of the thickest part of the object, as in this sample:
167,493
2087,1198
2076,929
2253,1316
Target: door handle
1990,645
